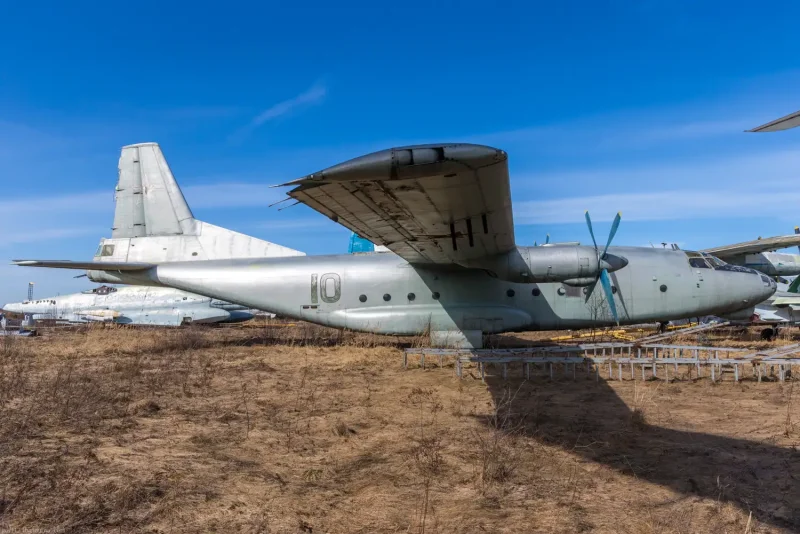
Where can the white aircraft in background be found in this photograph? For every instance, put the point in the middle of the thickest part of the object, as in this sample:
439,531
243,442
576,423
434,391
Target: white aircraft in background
134,305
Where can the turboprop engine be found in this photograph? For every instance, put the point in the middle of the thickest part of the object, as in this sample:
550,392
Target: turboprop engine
573,265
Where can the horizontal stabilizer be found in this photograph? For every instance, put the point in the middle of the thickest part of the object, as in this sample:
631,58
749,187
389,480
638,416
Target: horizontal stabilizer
86,265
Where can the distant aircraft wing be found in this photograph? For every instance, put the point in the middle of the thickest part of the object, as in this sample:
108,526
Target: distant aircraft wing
439,204
754,247
86,265
792,301
784,123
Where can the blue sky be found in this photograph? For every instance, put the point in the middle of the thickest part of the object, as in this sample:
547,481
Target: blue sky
636,106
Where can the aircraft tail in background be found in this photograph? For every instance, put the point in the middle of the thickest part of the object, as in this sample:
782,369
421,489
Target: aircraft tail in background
154,224
359,244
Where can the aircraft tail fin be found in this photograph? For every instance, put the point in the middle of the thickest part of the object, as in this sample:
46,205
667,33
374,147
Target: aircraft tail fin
795,286
153,222
149,201
359,244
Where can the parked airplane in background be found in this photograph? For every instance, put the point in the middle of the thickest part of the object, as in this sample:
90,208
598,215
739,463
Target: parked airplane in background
359,244
158,306
444,212
760,255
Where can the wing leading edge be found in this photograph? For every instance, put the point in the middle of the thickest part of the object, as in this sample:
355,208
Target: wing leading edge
441,204
754,247
85,265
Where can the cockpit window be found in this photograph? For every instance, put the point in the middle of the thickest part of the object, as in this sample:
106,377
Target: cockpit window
713,260
697,260
99,249
108,250
698,263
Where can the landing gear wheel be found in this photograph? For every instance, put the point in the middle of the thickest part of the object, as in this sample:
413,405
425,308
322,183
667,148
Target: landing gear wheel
768,334
662,328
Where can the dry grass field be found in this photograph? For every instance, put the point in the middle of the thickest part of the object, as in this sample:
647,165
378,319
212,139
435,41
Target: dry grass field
297,429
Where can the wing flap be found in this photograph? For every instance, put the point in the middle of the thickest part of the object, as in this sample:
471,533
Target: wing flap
439,204
85,265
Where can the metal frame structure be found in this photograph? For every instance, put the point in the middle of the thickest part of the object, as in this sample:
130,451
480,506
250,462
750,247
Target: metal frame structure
615,357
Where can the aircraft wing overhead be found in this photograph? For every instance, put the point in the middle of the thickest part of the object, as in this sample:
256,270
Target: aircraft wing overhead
754,247
85,265
439,204
784,123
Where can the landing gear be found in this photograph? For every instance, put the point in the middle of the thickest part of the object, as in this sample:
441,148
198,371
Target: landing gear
662,327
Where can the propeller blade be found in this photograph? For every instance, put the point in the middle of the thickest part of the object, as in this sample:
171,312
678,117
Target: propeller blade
613,232
547,241
589,224
606,282
534,244
79,276
590,290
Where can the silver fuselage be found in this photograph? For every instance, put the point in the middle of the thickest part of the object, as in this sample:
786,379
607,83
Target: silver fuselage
382,293
157,306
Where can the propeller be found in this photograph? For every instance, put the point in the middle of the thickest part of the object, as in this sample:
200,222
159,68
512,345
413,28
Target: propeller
546,241
602,275
79,276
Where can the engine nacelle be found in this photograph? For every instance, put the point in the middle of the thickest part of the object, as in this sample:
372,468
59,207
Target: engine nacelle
577,264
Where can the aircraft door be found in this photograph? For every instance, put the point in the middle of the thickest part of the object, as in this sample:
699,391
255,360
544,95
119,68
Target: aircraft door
700,271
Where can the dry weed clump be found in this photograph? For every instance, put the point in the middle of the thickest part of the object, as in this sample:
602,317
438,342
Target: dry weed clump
498,453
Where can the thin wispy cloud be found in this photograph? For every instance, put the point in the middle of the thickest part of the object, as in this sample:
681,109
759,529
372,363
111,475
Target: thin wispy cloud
312,96
298,224
44,234
683,204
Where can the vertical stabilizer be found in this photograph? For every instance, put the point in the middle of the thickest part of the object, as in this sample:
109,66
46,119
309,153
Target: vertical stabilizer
153,222
149,201
797,231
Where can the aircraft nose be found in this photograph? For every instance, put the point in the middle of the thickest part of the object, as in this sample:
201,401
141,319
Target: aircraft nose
767,290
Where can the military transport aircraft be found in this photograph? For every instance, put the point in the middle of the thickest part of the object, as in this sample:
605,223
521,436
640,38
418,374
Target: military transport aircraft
156,306
454,270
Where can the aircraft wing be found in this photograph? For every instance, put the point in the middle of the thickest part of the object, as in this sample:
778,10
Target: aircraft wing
85,265
788,301
439,204
753,247
784,123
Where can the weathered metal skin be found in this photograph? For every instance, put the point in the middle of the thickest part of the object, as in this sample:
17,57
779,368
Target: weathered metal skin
383,293
551,264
